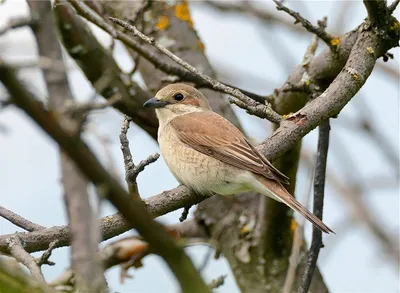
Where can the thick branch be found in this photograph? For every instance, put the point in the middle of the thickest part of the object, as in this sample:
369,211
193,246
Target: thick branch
377,12
319,191
132,209
81,216
143,50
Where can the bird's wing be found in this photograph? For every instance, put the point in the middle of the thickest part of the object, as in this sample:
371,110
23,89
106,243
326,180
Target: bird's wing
213,135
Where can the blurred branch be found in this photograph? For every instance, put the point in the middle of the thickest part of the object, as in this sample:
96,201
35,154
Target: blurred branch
246,102
298,241
14,280
18,252
132,209
329,103
19,221
81,215
183,74
129,251
246,8
319,191
106,77
329,40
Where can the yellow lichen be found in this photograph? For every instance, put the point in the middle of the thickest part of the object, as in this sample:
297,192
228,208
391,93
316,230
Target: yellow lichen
293,225
285,116
308,82
335,42
182,13
355,75
162,23
370,50
201,45
244,230
395,25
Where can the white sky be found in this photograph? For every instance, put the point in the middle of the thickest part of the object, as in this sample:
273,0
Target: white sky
352,260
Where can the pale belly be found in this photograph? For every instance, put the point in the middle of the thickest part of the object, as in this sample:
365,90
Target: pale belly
202,173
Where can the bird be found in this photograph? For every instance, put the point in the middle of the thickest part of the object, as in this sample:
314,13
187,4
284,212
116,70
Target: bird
208,154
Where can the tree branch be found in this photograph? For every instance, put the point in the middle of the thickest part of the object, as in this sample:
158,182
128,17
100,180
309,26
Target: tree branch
14,280
81,215
183,74
19,221
319,190
131,209
267,110
132,171
378,12
106,77
20,254
329,40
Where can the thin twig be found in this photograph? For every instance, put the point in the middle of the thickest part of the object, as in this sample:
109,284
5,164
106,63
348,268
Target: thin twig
132,171
44,259
19,221
319,190
170,69
329,40
267,110
20,254
217,282
184,214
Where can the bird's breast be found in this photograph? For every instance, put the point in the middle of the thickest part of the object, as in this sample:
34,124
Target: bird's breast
196,170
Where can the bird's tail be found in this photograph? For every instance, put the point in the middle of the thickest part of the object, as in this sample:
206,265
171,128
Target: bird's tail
281,194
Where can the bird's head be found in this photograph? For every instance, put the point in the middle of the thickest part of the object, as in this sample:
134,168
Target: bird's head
177,99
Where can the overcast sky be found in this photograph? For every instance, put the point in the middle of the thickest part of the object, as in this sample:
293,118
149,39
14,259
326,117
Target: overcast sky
352,261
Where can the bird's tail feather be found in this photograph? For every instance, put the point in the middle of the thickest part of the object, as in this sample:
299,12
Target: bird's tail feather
284,196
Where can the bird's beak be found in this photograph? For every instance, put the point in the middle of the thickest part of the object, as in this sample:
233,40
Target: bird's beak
154,103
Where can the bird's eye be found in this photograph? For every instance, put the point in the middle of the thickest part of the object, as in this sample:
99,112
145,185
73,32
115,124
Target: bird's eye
178,97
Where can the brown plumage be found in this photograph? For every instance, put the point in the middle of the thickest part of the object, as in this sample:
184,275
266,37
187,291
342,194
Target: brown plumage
209,154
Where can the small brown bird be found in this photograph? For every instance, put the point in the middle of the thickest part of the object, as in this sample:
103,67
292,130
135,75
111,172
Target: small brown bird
208,154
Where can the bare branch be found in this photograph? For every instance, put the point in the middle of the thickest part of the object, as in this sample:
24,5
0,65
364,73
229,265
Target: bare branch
132,171
106,77
329,40
246,7
132,209
183,74
268,112
20,254
14,279
19,221
44,259
81,215
319,190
